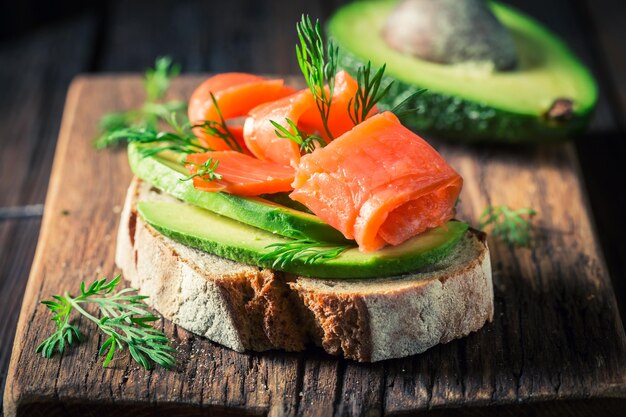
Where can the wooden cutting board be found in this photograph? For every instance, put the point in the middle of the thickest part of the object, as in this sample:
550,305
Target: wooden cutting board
556,344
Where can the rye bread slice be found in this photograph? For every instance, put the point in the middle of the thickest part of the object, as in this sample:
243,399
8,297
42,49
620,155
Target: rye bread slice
245,307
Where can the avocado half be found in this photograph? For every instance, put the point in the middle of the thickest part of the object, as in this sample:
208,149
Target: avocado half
549,96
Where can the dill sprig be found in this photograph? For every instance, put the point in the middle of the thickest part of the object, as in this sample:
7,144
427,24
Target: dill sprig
157,80
309,251
512,226
318,65
305,249
306,142
206,170
368,93
400,111
180,142
148,116
219,128
181,139
125,319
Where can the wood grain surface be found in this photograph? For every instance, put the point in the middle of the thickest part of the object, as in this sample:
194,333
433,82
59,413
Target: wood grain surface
556,339
34,76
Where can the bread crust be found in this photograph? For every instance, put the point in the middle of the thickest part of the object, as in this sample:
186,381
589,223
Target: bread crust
244,307
402,316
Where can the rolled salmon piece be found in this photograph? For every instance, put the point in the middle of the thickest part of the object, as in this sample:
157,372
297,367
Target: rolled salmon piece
378,184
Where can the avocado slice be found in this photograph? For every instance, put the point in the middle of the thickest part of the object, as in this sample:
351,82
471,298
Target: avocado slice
167,174
549,96
210,232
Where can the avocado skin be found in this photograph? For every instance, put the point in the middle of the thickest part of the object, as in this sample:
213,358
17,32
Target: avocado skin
212,233
257,212
456,118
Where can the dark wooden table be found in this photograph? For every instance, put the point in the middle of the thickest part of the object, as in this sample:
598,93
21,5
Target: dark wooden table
37,66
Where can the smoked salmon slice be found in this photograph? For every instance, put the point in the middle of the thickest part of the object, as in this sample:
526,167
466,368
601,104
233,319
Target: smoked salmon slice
339,120
378,183
240,174
300,108
236,94
260,135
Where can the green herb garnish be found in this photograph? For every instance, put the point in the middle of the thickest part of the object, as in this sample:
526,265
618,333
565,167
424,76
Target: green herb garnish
318,65
219,128
400,111
368,92
157,80
124,319
156,83
206,171
181,142
306,249
512,226
304,140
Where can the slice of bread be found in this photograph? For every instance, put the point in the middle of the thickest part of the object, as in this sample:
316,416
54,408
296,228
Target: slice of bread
245,307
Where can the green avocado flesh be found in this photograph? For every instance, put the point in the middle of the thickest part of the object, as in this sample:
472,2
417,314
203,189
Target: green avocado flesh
167,175
470,102
210,232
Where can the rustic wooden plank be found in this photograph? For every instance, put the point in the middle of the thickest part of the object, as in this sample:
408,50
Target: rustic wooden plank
320,383
591,28
548,337
574,408
21,212
600,155
33,87
92,249
26,16
362,390
237,35
556,333
31,104
606,21
18,239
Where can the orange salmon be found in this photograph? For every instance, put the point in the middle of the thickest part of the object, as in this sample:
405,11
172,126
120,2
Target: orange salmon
301,109
378,183
241,174
236,94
